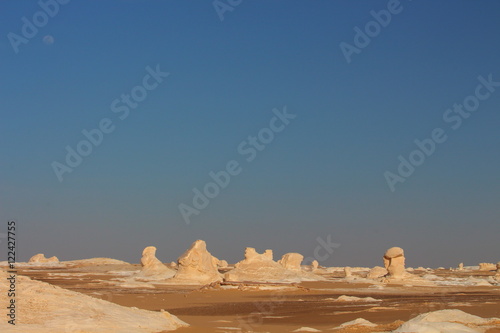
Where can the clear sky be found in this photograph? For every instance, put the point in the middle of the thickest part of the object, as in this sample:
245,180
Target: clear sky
323,174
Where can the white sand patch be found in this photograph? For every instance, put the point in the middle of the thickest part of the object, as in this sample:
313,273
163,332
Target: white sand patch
445,321
123,273
306,329
357,322
230,328
45,308
459,304
432,277
73,274
345,298
470,281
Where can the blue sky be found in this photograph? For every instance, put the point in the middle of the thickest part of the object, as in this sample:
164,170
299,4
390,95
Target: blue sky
322,175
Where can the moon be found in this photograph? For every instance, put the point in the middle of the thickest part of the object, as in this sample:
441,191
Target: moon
48,40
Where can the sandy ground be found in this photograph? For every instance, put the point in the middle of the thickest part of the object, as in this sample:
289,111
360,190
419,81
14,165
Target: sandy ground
283,309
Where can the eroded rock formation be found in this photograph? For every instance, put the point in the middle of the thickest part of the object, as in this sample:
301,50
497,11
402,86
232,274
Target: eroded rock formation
394,262
487,266
197,266
262,268
291,261
347,272
40,258
152,266
377,272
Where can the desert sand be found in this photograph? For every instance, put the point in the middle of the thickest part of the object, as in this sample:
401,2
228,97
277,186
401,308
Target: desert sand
204,294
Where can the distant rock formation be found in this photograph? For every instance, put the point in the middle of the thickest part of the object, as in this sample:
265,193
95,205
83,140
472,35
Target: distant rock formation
314,265
197,266
377,272
291,261
487,267
152,266
40,258
95,262
262,268
394,262
259,267
461,266
347,272
498,268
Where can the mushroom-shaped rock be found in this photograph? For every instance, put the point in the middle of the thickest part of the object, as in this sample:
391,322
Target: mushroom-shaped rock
291,261
461,266
40,258
152,266
314,265
394,262
197,266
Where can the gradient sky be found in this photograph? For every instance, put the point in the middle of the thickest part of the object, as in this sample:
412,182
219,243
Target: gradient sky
323,175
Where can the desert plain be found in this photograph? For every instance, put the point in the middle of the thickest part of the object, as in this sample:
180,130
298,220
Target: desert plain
201,293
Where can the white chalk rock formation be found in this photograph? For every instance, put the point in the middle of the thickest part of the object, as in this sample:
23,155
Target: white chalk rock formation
394,262
40,258
262,268
314,265
222,264
45,308
291,261
94,262
347,272
197,266
377,272
446,321
487,267
151,266
461,266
